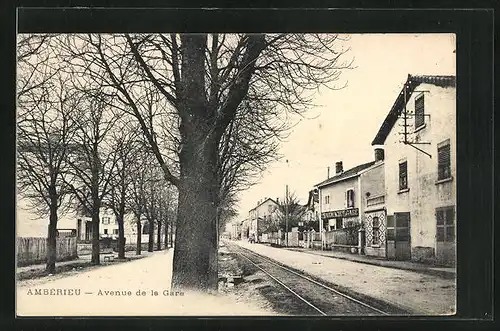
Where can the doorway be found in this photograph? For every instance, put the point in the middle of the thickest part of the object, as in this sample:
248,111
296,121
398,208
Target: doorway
398,236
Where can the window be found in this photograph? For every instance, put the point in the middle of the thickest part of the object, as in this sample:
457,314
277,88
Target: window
105,220
375,233
445,220
145,228
444,164
338,223
403,175
350,198
327,199
419,111
115,231
105,231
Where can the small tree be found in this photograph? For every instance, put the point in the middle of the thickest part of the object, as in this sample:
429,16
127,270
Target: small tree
351,228
290,212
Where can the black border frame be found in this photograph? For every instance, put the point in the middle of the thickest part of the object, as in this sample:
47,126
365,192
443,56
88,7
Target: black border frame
475,166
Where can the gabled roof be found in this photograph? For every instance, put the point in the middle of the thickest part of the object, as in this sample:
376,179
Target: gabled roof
312,198
411,83
346,174
260,204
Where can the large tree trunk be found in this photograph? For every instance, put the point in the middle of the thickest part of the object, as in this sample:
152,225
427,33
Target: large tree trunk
139,238
166,234
158,237
171,235
121,236
96,250
151,242
195,251
52,239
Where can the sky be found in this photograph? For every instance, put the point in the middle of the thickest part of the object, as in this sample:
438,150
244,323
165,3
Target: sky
344,125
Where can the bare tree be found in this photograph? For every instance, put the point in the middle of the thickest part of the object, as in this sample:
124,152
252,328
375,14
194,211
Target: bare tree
93,163
35,65
124,139
208,82
45,129
136,194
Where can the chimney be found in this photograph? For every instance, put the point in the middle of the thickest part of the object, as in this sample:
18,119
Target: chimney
338,167
278,201
379,154
328,173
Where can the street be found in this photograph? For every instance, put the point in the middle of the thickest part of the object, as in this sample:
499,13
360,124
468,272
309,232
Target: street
136,288
414,292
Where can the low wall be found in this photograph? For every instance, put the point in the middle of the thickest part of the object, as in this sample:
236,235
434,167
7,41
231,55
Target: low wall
33,250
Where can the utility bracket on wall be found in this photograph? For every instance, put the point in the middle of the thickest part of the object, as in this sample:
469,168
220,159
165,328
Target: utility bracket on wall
406,116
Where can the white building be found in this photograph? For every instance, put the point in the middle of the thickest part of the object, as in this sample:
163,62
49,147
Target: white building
31,224
340,200
262,215
419,139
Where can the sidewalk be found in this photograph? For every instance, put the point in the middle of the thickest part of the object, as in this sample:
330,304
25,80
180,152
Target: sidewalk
449,273
83,261
137,288
414,292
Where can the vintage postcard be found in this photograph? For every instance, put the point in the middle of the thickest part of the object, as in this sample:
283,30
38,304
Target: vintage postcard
167,174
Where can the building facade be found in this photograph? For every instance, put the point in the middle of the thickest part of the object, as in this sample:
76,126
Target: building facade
372,188
108,227
311,215
261,216
339,197
419,139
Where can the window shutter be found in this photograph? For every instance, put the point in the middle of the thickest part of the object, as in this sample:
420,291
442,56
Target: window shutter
444,162
419,111
444,155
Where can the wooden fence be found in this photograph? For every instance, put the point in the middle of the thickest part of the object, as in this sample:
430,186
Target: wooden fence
33,250
341,237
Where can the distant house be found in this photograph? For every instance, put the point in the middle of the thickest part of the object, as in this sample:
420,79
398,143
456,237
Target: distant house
340,198
419,140
261,216
312,207
236,227
108,227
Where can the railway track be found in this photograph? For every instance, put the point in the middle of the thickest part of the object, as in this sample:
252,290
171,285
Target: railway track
310,296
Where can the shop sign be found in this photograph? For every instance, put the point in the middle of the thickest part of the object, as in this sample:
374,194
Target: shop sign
351,212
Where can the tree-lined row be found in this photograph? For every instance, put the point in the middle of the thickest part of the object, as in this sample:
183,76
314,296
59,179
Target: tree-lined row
211,109
77,153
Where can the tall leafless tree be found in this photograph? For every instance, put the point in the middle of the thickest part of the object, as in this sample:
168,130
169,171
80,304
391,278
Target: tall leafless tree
35,63
45,129
207,83
136,194
93,163
124,140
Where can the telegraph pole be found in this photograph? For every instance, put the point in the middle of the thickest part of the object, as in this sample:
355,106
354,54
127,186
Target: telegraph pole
286,215
286,208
